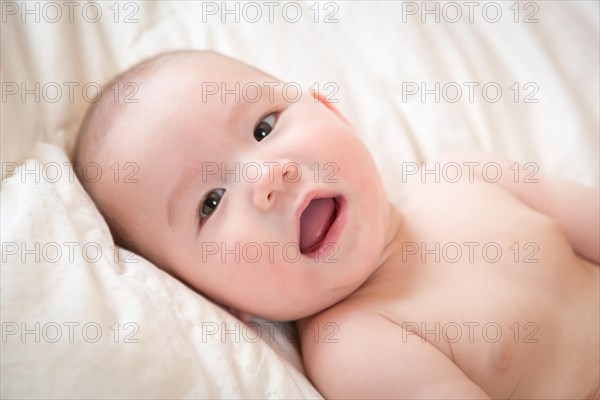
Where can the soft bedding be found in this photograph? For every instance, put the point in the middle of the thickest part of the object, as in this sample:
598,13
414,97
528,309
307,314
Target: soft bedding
82,318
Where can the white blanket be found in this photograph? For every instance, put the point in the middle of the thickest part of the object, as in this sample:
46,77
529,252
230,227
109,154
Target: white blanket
81,319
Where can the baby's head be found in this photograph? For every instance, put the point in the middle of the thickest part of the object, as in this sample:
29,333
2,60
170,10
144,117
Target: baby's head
263,199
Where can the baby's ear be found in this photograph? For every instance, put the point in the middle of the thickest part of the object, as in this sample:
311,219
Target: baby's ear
321,99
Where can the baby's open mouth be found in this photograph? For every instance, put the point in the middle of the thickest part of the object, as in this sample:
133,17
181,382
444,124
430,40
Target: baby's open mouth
315,222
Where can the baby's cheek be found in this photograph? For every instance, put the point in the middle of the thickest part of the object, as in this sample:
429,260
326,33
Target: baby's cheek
357,164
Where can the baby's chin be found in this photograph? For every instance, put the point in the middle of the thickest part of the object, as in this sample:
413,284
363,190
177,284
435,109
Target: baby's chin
287,312
287,316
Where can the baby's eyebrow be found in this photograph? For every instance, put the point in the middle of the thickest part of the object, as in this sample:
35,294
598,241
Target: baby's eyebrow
244,101
178,189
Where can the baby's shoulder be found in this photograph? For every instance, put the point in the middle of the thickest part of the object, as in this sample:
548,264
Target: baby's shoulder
335,343
353,351
342,321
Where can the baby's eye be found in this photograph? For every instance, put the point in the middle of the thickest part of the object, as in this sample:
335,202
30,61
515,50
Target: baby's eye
210,202
264,127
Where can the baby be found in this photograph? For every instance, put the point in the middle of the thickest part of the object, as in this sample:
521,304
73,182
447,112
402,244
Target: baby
263,198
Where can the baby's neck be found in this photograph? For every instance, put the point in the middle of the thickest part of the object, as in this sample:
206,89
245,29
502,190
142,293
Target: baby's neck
394,229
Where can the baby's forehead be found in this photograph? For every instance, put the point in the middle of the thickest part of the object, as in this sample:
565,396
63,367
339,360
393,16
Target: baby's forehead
198,91
210,68
204,84
202,93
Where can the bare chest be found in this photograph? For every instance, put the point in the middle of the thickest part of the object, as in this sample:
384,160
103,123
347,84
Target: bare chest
497,289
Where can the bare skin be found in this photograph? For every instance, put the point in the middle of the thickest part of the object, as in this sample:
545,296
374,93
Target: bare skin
407,325
506,328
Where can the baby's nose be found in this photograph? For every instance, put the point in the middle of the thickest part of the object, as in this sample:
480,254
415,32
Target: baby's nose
274,179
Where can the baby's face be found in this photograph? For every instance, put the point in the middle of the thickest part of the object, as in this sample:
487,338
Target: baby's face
227,191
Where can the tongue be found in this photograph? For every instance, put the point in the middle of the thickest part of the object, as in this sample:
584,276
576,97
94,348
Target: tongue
315,222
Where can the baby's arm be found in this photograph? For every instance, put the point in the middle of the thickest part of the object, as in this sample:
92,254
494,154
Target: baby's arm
576,208
371,357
